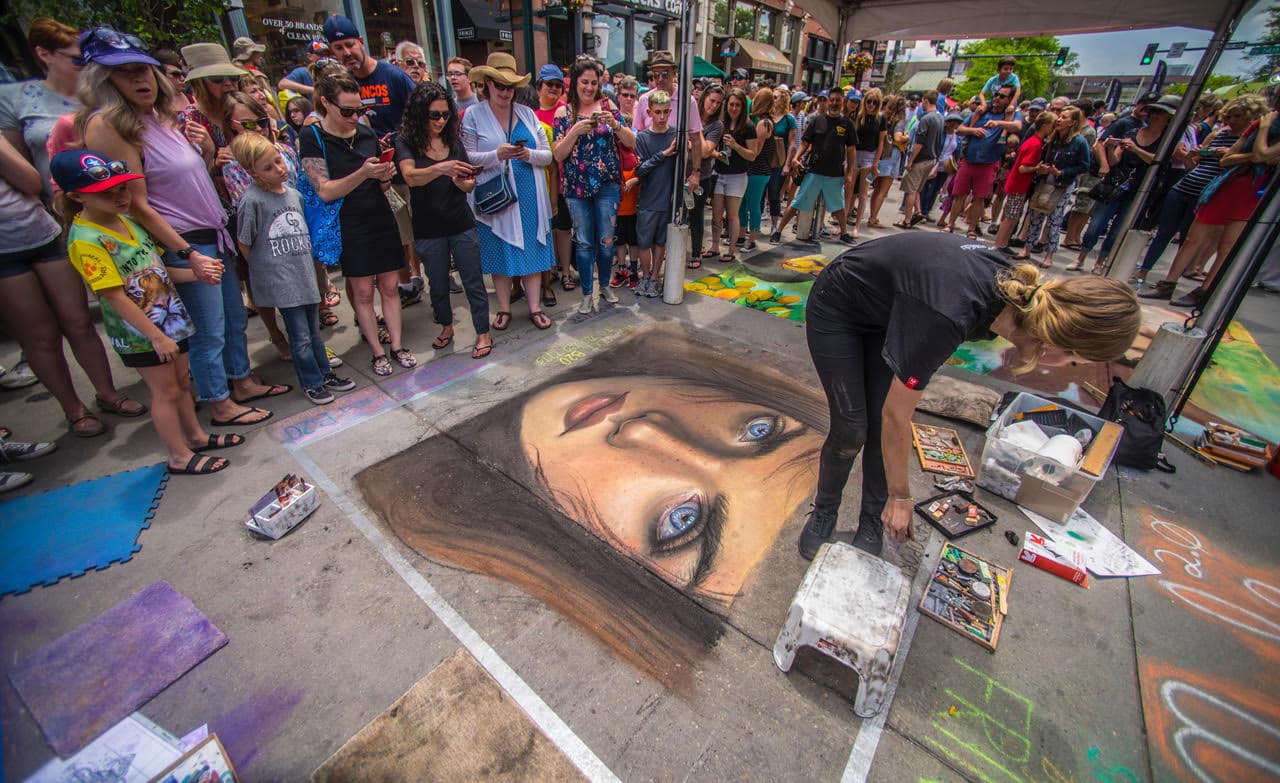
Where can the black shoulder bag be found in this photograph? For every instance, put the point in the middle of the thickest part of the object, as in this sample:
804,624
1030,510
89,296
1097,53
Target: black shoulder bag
1141,412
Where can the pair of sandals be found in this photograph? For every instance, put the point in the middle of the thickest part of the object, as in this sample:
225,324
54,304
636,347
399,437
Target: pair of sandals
273,390
502,319
204,464
88,425
382,364
478,352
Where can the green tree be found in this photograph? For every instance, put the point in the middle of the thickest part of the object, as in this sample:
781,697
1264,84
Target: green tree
1214,81
170,23
1268,64
1037,74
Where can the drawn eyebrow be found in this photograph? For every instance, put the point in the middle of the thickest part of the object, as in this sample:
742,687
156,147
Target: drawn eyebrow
710,543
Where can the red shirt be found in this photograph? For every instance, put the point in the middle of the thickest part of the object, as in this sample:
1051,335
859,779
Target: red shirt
1019,184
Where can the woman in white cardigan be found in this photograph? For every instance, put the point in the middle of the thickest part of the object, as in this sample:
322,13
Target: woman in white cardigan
506,139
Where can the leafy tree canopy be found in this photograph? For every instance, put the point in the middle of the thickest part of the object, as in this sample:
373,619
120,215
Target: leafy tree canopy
1037,74
1214,81
1268,64
170,23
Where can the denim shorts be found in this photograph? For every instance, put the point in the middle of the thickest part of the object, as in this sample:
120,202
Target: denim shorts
22,261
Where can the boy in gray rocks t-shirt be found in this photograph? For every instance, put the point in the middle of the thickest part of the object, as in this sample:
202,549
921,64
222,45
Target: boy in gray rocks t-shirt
272,234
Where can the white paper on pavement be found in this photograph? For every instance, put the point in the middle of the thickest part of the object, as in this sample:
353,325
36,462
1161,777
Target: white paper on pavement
1105,552
133,751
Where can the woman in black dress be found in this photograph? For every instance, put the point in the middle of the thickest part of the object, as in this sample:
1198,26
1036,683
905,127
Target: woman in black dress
340,156
883,317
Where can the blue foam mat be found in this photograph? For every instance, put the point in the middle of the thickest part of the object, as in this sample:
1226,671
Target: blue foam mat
67,531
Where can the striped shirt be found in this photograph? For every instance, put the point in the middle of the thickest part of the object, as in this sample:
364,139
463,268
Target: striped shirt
1193,182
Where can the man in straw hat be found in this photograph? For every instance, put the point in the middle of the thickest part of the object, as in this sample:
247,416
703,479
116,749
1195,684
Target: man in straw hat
384,88
662,70
248,54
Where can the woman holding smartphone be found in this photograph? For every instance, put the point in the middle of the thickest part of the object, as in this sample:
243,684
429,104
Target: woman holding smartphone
435,166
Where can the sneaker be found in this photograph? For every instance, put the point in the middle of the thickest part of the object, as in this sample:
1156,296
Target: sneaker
846,238
824,234
20,377
13,451
1193,298
633,279
870,536
585,307
334,359
817,531
409,295
335,382
319,396
609,296
620,278
454,286
748,246
13,480
655,288
776,237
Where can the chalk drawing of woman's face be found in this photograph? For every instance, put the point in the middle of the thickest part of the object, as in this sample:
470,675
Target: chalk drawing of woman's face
692,483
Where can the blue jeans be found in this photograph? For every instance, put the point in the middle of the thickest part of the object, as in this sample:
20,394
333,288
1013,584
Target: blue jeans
1176,214
594,228
219,350
302,325
465,250
1102,218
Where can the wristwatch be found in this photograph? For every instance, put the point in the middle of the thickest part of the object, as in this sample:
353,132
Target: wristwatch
185,252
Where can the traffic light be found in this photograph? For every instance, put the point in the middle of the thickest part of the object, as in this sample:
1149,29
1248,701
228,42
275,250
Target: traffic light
1061,59
1149,54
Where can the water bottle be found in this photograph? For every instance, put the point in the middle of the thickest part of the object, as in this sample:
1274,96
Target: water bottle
688,197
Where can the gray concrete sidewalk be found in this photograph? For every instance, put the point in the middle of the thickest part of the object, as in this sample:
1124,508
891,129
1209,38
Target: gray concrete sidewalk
1159,678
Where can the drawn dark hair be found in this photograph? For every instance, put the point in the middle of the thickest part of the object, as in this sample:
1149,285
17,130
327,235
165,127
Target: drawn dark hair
478,504
415,125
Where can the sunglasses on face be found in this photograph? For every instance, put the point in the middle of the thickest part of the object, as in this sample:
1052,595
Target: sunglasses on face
557,86
349,111
176,74
502,87
409,61
222,79
253,125
438,115
111,169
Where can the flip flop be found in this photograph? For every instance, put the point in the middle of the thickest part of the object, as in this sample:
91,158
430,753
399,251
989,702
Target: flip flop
223,441
327,318
501,320
695,264
481,351
271,391
331,298
542,323
709,254
206,466
549,299
239,418
568,284
437,344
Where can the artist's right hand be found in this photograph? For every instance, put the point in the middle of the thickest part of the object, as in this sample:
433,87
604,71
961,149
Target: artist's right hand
206,269
372,168
896,519
166,349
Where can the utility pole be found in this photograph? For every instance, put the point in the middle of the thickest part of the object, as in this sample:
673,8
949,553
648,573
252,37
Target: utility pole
951,67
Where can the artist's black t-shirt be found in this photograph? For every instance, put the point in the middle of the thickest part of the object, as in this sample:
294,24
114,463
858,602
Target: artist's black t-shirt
829,138
926,292
439,208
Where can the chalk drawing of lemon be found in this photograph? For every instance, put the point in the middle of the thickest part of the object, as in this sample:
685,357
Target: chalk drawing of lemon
788,300
708,280
695,287
779,311
759,295
727,293
809,265
744,284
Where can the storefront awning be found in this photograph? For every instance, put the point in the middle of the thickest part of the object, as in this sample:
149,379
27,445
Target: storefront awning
473,20
704,70
756,56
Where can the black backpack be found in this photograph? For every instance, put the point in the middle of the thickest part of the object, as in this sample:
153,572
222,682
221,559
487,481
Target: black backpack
1141,412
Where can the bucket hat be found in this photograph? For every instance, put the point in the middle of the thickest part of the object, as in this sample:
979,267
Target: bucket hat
208,59
501,68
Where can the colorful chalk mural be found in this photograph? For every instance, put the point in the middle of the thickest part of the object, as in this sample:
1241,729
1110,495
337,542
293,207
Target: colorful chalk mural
696,461
1241,386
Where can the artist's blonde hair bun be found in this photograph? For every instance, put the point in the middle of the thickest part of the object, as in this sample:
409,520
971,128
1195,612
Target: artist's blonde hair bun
1096,318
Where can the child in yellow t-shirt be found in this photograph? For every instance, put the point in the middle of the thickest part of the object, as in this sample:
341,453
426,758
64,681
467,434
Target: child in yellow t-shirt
142,313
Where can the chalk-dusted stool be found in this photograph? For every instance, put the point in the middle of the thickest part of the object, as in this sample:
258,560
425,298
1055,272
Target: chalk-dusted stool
850,606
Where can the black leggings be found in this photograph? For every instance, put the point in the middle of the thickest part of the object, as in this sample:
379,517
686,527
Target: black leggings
698,215
856,380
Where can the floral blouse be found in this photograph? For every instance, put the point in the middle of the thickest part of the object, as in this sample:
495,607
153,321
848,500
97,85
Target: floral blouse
238,180
594,160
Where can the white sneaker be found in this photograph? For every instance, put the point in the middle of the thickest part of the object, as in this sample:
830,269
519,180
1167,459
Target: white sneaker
20,377
334,360
585,307
10,481
595,301
609,295
12,451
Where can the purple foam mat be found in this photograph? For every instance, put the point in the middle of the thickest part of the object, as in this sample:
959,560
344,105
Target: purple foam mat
87,681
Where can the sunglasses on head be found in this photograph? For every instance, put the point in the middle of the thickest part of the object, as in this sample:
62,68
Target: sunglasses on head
115,38
439,115
112,168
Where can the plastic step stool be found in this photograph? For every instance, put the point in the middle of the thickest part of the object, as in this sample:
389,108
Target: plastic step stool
851,606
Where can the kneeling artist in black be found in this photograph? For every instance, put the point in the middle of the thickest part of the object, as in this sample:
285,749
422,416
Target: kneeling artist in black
883,317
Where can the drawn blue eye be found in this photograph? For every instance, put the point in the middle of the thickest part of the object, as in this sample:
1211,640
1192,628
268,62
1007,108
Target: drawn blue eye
679,519
760,428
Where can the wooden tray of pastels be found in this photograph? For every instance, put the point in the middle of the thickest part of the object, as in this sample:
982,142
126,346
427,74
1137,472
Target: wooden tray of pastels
969,595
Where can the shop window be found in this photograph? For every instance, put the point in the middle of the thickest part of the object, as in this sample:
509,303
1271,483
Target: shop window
388,22
648,38
611,40
744,21
788,33
720,18
764,27
287,28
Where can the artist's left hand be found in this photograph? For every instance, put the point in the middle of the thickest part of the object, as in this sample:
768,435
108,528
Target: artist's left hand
896,518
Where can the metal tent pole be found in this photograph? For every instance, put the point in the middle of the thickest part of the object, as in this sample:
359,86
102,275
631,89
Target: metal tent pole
1122,262
678,229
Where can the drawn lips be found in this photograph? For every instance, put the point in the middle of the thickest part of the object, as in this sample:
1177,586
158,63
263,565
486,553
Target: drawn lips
592,410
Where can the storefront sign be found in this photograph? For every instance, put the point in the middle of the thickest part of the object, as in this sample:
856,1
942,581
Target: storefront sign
294,30
664,7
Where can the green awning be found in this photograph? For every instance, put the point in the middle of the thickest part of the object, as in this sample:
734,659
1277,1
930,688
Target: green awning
704,69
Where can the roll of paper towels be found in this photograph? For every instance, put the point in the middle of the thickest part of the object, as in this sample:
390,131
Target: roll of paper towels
1063,449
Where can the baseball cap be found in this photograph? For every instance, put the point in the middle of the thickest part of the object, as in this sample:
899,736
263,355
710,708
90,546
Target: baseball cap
1039,103
953,117
854,94
110,47
799,96
85,171
825,94
318,47
740,73
550,73
914,96
339,28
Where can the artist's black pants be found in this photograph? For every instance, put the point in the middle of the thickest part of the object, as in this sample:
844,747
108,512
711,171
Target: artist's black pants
856,380
698,215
